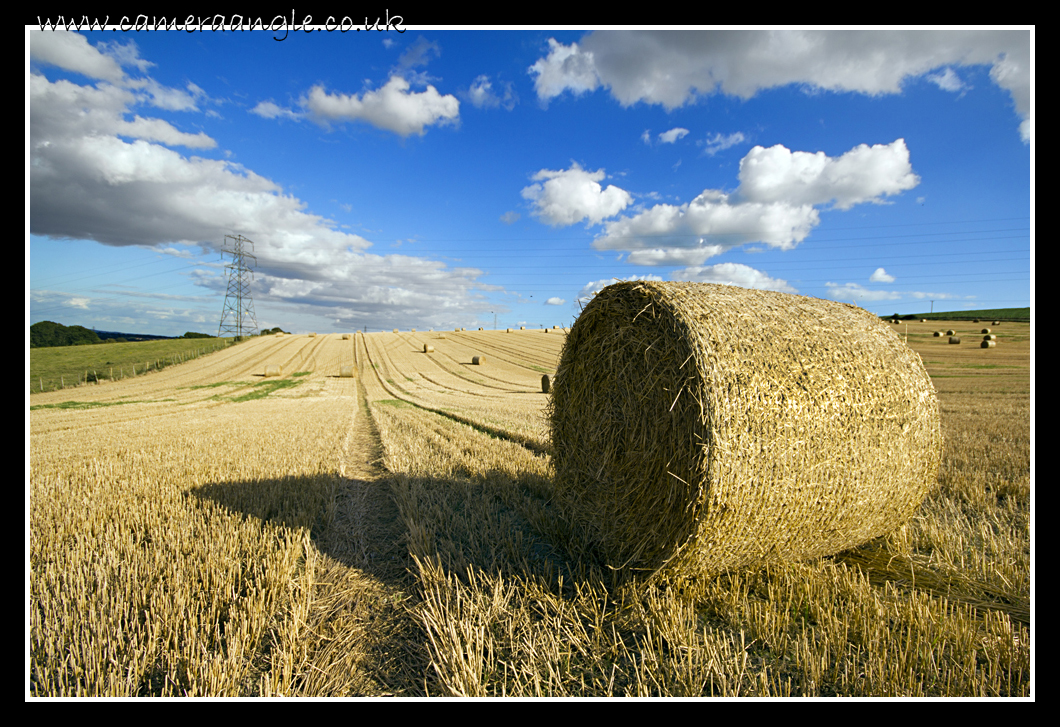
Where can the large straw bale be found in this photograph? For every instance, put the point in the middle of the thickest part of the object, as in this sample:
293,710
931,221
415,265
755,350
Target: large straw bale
312,335
428,348
985,330
273,370
988,344
478,360
699,428
345,336
937,334
955,339
346,372
990,337
950,332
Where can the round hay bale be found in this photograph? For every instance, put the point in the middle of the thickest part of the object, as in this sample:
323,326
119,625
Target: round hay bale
345,336
997,323
274,370
480,328
955,339
937,334
441,335
413,330
428,348
990,337
312,335
697,428
508,330
463,329
975,320
395,330
988,344
346,372
950,332
985,330
545,383
522,328
923,320
478,360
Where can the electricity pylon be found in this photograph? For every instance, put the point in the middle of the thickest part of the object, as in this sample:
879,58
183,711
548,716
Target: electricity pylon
238,314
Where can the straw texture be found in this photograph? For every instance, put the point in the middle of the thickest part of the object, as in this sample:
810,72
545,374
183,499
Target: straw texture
273,370
698,428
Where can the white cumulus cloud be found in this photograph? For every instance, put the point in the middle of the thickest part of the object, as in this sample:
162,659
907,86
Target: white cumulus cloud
880,276
565,68
863,174
721,143
776,203
394,107
555,301
671,136
675,67
568,196
736,274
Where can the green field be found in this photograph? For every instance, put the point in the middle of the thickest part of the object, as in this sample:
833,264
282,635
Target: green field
68,366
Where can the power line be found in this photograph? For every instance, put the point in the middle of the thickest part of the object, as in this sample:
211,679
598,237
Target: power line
237,314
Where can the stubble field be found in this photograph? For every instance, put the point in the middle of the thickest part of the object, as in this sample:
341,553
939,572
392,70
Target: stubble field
207,531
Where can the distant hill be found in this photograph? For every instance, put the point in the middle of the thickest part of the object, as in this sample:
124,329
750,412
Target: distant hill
996,314
49,333
110,335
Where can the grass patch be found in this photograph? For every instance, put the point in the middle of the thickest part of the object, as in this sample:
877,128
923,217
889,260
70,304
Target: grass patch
394,402
263,389
301,373
92,404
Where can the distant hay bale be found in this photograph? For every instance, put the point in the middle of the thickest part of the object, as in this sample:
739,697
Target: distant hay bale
428,348
923,320
990,337
697,428
395,330
463,329
273,370
441,335
955,339
937,334
312,335
456,329
950,332
346,372
987,344
345,336
522,328
997,323
985,330
975,320
413,330
509,330
480,328
478,360
545,383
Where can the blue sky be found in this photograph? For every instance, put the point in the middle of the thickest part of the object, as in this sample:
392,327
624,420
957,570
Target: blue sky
434,179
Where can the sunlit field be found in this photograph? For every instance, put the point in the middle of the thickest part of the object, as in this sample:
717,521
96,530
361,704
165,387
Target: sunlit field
205,530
